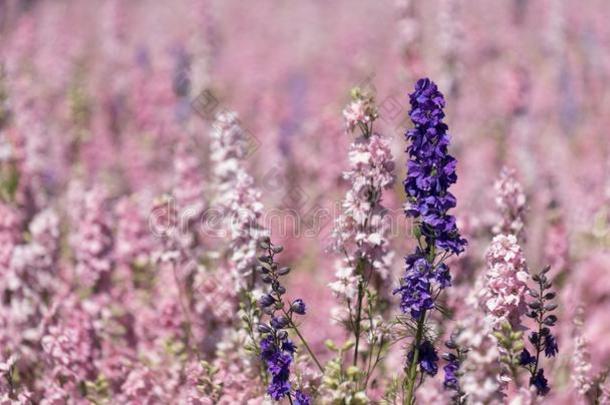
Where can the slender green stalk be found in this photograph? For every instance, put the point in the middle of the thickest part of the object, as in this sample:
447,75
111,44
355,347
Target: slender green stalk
419,334
311,353
359,309
412,372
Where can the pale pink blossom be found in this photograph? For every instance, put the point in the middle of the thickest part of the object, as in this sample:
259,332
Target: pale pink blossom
510,200
142,387
581,366
237,196
10,227
70,347
188,187
361,111
361,232
134,244
506,280
482,378
93,241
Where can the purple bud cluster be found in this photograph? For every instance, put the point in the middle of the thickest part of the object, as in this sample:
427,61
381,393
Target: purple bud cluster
540,310
431,170
276,349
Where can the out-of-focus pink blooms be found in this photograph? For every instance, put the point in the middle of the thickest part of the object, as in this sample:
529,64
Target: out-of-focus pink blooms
506,280
581,366
215,303
232,381
229,147
164,224
10,233
604,398
482,379
44,229
557,246
10,393
133,244
29,282
54,394
590,281
524,396
345,285
432,392
450,37
361,111
108,94
70,348
188,184
246,232
510,201
93,240
217,299
142,387
237,196
409,37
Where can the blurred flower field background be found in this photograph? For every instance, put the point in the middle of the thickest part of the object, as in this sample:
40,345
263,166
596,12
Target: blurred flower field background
161,163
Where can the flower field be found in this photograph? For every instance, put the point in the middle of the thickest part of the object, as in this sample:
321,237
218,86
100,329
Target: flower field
344,203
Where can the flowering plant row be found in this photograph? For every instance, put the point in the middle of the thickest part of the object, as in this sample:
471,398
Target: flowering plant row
257,347
441,243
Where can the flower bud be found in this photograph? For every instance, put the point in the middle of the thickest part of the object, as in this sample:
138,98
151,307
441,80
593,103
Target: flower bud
266,300
279,322
263,328
298,307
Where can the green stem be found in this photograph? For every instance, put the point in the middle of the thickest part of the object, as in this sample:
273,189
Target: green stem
311,353
412,372
540,322
358,309
419,334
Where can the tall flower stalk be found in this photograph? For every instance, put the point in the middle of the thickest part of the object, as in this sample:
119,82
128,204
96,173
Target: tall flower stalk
540,309
276,349
237,197
430,173
506,281
361,232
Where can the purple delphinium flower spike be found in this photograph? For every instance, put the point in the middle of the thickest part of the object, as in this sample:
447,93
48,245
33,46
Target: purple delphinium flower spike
276,349
431,170
430,173
543,341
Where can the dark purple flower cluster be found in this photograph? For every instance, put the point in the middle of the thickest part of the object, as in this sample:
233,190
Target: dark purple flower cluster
301,399
454,359
427,358
541,341
526,358
450,369
416,285
431,170
540,382
276,350
540,310
546,341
